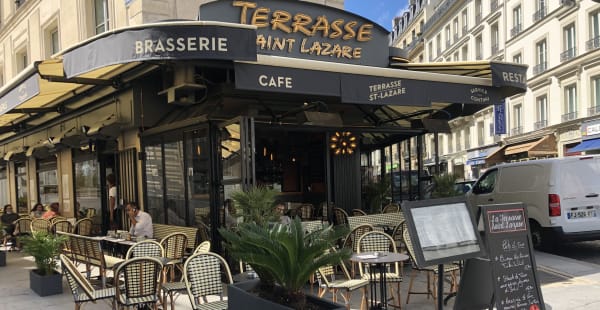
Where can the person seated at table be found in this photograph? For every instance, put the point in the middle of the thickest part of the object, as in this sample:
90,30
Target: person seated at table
52,211
37,211
231,220
141,222
8,219
280,210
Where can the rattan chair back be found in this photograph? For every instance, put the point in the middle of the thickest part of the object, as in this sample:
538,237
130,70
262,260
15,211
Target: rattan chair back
40,225
83,227
203,247
146,248
137,281
83,291
202,275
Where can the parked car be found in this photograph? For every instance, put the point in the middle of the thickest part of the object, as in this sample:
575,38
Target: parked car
562,196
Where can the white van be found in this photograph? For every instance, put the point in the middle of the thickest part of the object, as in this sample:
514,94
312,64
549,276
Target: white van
562,196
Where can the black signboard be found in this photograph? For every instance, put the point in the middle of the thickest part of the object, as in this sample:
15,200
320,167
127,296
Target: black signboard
286,80
441,230
515,282
306,30
177,40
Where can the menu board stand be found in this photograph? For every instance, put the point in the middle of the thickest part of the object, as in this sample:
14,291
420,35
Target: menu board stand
442,231
514,284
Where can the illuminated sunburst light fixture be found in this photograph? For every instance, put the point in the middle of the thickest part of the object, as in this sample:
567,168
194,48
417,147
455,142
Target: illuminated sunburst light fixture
342,143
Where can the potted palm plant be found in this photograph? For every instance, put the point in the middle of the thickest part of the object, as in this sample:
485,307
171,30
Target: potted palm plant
284,257
44,247
445,186
256,205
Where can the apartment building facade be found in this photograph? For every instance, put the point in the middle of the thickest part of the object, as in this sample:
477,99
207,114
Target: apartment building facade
557,39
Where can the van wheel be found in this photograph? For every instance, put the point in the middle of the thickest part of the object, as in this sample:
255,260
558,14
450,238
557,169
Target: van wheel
541,241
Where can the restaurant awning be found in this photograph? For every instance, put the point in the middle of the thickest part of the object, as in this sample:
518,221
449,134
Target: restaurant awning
586,145
543,147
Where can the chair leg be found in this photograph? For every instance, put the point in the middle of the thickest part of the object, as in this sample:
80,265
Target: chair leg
363,301
410,285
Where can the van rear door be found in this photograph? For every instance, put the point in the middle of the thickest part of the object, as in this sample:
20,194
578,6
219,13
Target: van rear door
579,191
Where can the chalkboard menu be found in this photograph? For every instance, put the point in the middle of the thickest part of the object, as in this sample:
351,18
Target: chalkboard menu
515,282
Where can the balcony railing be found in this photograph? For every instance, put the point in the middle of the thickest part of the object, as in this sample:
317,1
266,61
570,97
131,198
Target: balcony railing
539,14
539,68
594,110
593,43
495,49
478,18
516,131
493,5
568,54
540,124
569,116
516,30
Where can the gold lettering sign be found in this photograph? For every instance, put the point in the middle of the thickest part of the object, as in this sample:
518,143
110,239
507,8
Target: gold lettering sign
318,30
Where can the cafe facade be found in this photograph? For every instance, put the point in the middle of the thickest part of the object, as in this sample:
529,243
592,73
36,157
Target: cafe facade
306,99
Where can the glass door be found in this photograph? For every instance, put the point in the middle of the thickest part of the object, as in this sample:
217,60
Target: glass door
237,155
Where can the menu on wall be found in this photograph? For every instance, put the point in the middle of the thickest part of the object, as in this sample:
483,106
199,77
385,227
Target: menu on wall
515,282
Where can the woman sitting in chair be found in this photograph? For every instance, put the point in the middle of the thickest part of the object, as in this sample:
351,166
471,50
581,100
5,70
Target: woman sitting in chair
52,212
8,219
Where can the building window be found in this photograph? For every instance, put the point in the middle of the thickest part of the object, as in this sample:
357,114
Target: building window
21,187
455,57
478,12
595,108
542,112
517,128
455,30
495,36
438,41
517,21
541,57
594,41
47,181
465,52
569,48
478,48
450,144
467,137
430,45
465,22
518,58
457,143
540,10
21,59
480,133
101,16
570,103
52,42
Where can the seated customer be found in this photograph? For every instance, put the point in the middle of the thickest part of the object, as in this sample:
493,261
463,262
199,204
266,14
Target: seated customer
141,222
280,210
52,211
8,219
37,211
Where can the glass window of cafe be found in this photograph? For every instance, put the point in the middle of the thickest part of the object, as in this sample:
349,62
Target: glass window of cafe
176,171
87,185
47,180
4,196
21,187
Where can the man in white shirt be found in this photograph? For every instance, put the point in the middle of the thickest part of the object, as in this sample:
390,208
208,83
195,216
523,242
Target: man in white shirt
141,222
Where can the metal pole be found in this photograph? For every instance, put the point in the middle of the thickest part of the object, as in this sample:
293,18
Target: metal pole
440,287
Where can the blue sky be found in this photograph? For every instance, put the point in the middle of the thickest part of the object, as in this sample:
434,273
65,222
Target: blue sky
380,11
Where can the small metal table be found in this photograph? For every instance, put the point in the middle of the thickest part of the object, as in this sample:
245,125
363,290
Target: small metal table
378,261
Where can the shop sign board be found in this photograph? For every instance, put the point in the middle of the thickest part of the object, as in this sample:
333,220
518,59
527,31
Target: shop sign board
181,41
306,30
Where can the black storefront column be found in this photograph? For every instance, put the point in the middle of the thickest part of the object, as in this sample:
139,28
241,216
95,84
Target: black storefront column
216,186
420,165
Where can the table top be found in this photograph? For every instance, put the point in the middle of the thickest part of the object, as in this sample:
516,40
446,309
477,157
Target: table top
379,258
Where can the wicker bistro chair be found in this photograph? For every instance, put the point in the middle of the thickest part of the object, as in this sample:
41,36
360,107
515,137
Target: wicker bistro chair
340,217
82,289
174,245
146,248
432,273
83,227
202,276
203,247
306,211
40,225
376,241
142,278
351,242
61,226
358,212
391,208
397,235
326,276
23,226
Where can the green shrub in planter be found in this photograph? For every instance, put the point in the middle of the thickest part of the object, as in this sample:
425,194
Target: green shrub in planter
44,248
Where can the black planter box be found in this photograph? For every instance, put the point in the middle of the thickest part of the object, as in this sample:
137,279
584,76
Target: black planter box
238,297
45,285
2,258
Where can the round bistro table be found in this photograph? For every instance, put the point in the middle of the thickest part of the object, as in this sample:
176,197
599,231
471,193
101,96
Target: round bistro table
378,261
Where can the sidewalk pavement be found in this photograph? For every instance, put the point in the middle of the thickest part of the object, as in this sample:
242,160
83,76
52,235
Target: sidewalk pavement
566,284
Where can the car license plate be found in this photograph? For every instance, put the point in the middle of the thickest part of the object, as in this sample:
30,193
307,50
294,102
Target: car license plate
581,214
